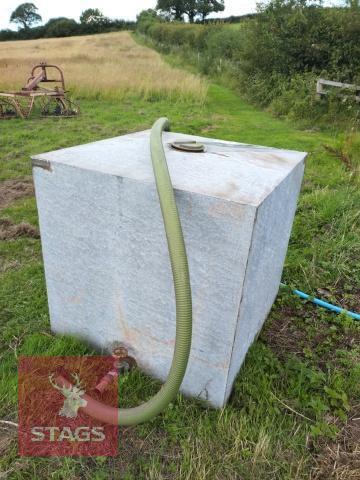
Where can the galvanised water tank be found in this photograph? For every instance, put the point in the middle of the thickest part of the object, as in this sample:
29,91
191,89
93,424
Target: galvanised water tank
106,261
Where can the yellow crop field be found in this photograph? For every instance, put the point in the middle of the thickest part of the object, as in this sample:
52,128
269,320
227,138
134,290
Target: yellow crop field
110,65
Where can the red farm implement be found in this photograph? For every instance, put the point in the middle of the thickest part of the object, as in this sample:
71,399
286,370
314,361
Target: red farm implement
52,102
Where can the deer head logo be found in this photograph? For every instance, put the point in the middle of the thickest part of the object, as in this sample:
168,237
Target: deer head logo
73,394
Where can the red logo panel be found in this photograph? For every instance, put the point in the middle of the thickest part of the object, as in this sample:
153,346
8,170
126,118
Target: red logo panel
51,419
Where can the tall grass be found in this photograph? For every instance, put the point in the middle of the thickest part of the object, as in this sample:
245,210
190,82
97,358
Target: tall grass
110,65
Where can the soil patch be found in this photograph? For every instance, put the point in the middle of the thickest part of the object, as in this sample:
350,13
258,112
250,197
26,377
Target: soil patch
9,230
289,335
12,190
340,460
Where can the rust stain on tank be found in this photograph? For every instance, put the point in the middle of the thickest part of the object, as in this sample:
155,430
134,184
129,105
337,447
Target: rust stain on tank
75,299
265,159
233,194
227,209
135,337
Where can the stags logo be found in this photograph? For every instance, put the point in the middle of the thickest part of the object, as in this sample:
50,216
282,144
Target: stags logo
56,434
51,419
73,400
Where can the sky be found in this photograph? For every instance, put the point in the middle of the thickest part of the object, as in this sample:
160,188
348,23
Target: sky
126,9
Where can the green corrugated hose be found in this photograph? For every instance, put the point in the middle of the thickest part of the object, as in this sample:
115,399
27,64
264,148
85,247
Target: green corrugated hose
180,271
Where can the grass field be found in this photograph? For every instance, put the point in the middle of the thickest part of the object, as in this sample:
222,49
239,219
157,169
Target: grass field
102,66
294,412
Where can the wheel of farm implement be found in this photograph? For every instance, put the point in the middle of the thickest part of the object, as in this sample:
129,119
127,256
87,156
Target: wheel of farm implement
58,107
51,106
8,109
72,107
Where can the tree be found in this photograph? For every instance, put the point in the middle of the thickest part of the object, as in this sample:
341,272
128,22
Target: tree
25,15
92,16
61,27
145,19
205,7
147,15
192,8
355,4
175,8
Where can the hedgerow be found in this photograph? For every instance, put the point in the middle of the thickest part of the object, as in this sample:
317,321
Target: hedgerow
275,57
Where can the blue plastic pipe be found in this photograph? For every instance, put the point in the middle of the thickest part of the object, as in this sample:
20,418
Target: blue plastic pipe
323,304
